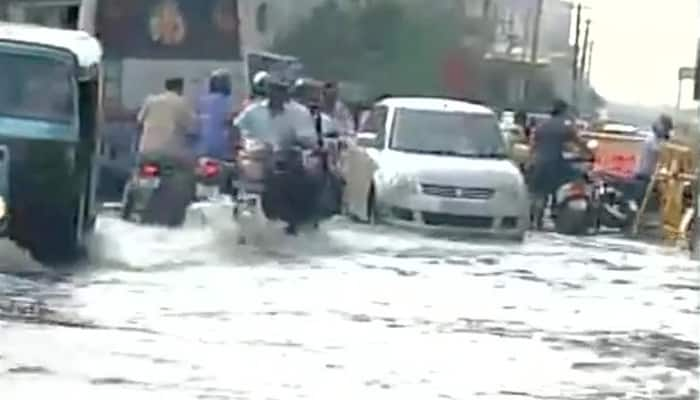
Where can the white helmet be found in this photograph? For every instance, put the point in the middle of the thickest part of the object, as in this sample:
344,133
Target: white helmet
260,80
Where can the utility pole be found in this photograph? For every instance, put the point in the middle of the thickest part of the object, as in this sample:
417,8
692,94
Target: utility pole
534,51
582,71
574,70
584,54
590,62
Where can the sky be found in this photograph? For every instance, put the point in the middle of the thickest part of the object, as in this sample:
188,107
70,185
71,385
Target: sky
639,46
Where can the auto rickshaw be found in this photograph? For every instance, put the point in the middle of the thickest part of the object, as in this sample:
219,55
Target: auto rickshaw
50,101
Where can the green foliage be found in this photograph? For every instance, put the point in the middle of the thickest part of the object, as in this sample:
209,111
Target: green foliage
390,47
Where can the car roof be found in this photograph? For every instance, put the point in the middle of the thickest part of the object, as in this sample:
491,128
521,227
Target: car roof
85,47
435,104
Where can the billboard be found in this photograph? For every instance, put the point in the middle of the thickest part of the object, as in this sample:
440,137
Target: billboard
169,29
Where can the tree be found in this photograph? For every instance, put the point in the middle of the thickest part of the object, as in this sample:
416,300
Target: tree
391,47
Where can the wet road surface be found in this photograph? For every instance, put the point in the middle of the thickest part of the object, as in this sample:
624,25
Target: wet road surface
354,312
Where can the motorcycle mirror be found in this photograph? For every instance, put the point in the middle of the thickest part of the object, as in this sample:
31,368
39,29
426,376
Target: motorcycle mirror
592,144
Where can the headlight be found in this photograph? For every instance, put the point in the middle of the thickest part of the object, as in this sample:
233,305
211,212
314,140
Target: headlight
515,191
3,207
408,184
396,184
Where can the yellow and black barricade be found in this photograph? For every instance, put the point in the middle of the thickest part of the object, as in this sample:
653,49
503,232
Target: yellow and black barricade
674,181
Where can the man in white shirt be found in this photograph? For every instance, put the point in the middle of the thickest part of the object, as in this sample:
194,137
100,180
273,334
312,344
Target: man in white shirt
276,120
283,124
337,110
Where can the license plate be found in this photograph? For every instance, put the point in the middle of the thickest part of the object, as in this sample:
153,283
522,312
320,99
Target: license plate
148,183
206,191
250,201
578,205
452,206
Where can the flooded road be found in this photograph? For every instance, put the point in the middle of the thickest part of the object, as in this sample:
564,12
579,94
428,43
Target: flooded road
354,312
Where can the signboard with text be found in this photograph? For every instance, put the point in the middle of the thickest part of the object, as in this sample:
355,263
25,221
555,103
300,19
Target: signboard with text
616,154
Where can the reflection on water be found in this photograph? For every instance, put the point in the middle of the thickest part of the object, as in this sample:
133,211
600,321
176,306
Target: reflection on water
356,312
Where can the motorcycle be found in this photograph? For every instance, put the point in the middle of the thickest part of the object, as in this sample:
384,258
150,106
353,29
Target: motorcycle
614,209
573,204
158,193
213,178
590,201
278,185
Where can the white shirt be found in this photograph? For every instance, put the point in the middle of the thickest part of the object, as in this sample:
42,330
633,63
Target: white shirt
294,121
649,156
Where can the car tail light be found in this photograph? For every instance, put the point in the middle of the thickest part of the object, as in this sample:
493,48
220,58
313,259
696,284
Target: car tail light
149,170
210,168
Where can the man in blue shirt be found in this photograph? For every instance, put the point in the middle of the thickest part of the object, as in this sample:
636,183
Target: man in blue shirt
661,129
214,111
549,168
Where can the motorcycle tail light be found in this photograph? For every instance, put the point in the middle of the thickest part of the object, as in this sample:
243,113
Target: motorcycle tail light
577,189
210,168
149,170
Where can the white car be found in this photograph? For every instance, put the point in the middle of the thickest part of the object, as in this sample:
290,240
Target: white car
436,164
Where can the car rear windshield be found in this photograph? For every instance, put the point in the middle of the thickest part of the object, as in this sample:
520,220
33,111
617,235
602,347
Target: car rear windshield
35,87
451,133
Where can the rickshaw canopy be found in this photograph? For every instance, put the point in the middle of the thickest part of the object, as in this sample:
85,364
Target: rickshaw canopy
85,48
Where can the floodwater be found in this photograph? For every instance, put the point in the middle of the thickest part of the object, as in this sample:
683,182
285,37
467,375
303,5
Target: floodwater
353,312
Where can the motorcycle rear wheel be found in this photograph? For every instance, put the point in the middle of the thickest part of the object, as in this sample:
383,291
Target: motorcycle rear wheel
571,222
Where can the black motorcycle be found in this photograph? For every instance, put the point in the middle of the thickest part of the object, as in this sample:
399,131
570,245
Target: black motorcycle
159,192
614,206
278,185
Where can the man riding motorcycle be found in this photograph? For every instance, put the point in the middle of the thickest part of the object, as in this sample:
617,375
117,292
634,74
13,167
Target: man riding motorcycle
166,121
283,125
305,95
548,169
214,111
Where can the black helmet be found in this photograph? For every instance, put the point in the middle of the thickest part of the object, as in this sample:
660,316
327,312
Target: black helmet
559,107
663,126
666,122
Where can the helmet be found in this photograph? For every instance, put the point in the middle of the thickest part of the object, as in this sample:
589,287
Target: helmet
260,82
666,122
297,89
663,126
306,91
559,107
220,82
